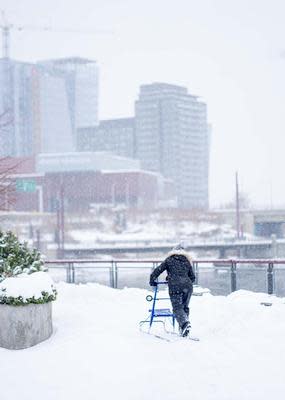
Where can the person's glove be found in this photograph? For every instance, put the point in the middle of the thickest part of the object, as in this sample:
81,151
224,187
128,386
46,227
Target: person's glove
152,283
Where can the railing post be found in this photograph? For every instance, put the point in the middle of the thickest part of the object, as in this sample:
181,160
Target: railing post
270,278
233,276
72,273
115,275
68,272
196,272
154,265
111,274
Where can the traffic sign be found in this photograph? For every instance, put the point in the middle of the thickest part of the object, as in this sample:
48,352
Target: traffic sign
25,185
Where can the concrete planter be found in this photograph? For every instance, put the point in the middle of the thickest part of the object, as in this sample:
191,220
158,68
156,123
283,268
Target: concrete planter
24,326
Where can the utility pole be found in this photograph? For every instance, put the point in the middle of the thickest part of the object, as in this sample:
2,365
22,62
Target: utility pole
237,208
113,194
127,195
62,227
271,197
60,219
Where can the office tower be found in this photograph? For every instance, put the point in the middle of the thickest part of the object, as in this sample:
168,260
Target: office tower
114,135
45,104
171,136
15,131
35,100
82,89
55,118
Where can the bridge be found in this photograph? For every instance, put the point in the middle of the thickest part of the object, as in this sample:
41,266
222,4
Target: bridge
244,248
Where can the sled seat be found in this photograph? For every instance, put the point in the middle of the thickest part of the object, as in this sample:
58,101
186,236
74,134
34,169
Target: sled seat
161,312
156,314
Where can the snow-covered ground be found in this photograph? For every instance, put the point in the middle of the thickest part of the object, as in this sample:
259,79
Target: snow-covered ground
98,352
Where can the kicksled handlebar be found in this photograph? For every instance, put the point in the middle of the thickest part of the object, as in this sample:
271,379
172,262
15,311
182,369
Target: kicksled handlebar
149,297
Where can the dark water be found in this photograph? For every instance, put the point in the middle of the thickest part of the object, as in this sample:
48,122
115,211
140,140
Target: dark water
218,280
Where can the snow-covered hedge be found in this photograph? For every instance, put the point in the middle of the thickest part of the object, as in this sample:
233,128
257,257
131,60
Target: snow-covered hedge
36,288
22,276
16,258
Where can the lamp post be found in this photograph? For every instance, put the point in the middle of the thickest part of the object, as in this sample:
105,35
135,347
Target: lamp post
237,208
60,218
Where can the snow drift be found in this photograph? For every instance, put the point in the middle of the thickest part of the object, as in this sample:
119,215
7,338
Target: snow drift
97,351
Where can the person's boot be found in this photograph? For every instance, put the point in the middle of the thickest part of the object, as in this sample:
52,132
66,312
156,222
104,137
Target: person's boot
185,329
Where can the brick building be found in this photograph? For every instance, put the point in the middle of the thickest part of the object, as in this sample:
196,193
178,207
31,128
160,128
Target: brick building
41,186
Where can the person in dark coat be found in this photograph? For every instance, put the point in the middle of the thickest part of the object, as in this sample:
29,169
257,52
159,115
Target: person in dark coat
180,278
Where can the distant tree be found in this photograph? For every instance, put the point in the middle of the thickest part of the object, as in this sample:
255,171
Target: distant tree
7,184
7,166
5,120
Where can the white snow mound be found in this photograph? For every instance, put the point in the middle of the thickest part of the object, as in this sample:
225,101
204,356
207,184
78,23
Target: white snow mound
27,286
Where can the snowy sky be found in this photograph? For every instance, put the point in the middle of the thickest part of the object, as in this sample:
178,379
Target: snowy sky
227,51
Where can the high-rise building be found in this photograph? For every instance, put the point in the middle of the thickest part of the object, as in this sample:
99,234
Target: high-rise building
55,118
114,135
15,124
45,103
171,136
35,102
82,89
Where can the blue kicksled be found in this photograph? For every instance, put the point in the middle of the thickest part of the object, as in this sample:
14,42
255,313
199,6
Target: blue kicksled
160,316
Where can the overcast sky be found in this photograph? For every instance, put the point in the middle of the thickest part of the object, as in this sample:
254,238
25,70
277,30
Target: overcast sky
226,51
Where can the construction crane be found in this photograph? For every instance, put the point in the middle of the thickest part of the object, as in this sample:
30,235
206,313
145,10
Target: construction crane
6,27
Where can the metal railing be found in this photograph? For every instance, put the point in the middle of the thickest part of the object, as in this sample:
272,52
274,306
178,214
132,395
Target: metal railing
113,267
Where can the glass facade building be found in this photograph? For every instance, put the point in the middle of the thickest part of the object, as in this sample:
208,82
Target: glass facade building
171,137
82,90
114,135
45,103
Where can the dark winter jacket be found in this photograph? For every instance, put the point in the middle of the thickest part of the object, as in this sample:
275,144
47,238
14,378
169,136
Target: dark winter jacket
180,273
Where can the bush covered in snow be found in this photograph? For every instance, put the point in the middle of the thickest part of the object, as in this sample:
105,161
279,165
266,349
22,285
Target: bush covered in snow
22,276
16,258
36,288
